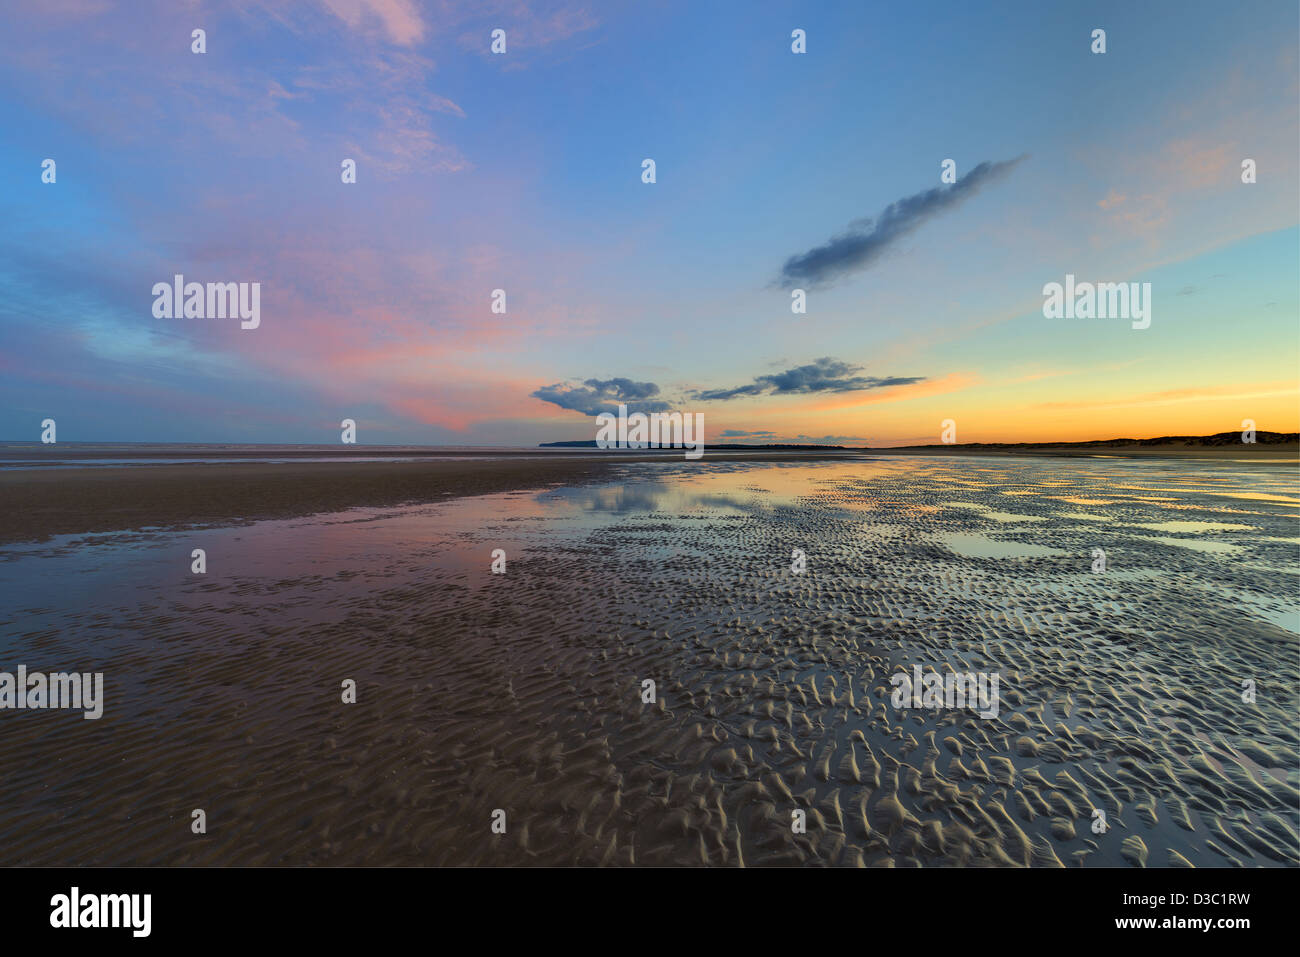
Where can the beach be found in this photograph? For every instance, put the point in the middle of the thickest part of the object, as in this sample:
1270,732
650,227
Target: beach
67,499
770,735
202,486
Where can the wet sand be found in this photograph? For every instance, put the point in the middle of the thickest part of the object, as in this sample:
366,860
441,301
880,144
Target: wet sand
1121,690
44,502
40,502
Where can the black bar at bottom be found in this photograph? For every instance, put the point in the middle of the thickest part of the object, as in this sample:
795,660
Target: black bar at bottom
337,906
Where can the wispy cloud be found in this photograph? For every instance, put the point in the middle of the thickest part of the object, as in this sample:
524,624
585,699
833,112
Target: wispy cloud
530,26
399,20
866,240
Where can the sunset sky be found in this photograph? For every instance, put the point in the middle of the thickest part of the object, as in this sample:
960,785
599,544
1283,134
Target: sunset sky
522,171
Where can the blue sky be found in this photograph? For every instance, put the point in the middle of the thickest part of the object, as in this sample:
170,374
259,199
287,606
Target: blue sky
523,171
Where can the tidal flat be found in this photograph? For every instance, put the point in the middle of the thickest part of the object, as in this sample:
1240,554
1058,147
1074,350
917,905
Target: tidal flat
1159,687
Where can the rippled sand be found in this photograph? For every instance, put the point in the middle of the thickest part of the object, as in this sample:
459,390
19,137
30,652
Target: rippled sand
1121,690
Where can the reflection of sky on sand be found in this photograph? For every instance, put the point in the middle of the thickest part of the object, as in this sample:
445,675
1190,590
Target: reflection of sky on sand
728,489
684,571
987,512
351,552
1175,526
1219,548
974,545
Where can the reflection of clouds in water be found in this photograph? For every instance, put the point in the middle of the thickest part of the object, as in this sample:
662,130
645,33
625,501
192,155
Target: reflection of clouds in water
648,496
788,490
616,499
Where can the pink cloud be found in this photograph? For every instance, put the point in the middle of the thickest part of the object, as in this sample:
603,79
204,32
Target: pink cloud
1113,198
381,106
399,19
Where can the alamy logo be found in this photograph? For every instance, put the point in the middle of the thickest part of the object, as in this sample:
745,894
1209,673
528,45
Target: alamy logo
671,430
133,911
1103,300
953,690
217,300
36,691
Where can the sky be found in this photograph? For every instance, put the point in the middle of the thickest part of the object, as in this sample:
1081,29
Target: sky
522,171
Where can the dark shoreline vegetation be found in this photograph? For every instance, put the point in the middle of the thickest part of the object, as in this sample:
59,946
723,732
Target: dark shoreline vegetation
724,447
1174,444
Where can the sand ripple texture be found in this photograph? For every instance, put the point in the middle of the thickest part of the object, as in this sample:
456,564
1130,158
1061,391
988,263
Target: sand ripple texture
1121,691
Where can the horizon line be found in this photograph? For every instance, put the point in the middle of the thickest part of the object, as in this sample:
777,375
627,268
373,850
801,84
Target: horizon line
1282,438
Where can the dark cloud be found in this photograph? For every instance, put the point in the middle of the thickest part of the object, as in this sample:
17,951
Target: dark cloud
595,396
823,375
737,433
865,241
